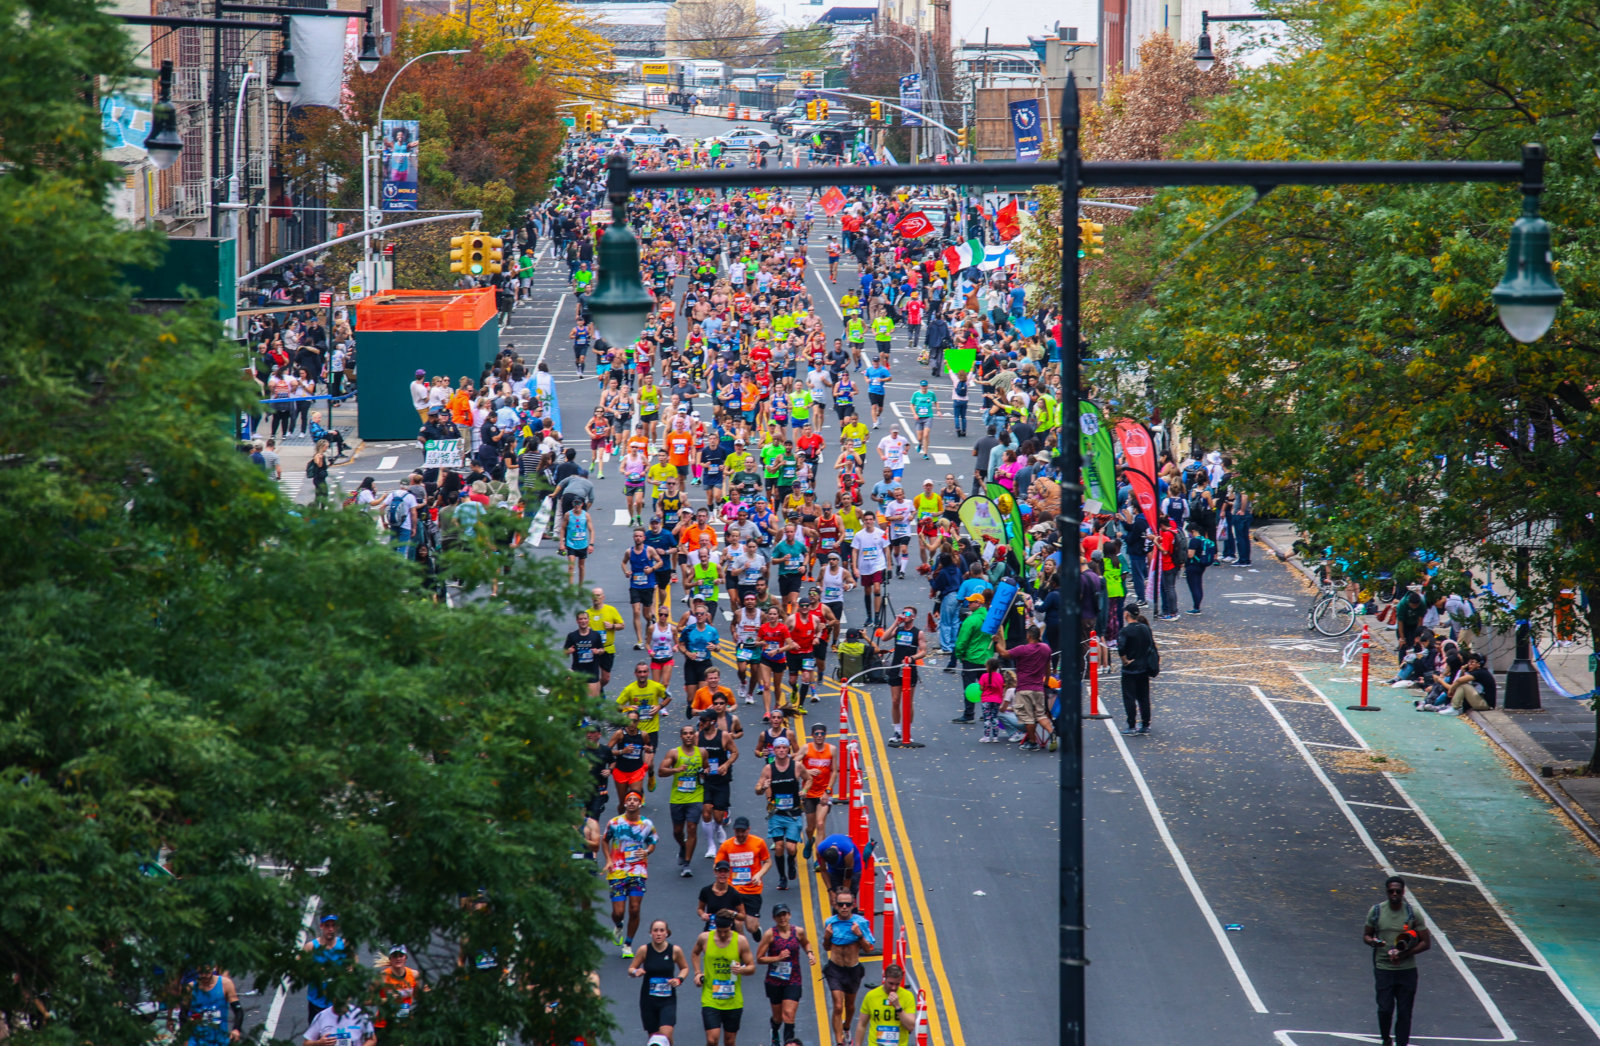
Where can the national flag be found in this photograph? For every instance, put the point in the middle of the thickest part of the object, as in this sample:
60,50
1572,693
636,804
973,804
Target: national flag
994,257
913,225
1007,222
962,255
833,201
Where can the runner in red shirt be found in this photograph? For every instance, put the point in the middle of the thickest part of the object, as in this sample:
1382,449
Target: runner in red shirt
809,622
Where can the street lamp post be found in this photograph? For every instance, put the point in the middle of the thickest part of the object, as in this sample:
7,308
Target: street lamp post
1204,59
621,305
371,152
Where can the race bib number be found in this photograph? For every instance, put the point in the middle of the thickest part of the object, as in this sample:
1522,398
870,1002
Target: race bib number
888,1035
742,875
906,638
773,650
784,802
808,664
688,782
748,653
661,987
723,989
782,971
585,655
642,579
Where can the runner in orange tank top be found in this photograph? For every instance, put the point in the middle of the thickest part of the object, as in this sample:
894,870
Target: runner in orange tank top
821,761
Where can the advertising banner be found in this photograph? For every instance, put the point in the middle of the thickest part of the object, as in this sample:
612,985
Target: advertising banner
911,98
982,519
1011,514
1099,458
1139,463
399,155
1025,128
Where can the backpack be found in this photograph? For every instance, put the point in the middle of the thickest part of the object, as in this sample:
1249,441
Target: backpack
1152,659
1207,555
396,516
1180,550
1194,477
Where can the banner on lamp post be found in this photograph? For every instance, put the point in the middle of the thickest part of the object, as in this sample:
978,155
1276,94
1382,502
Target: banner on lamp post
399,154
1025,129
911,98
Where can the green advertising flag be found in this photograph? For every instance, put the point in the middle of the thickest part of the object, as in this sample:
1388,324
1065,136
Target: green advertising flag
982,519
1011,513
1098,455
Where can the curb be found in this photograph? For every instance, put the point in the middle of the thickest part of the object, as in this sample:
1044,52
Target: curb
1285,557
1552,791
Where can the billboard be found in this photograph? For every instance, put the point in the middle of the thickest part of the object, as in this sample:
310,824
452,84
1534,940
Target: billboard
398,153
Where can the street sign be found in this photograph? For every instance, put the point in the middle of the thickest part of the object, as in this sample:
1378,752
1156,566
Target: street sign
569,122
325,298
357,284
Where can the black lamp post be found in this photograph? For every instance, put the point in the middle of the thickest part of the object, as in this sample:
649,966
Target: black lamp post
1203,58
162,144
620,306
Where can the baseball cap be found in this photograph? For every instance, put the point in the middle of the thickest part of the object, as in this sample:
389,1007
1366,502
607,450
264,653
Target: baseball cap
330,918
421,373
976,597
782,742
780,909
741,822
397,949
924,382
721,866
927,483
659,1040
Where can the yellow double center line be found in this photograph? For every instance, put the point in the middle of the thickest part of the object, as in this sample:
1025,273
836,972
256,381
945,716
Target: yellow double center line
924,956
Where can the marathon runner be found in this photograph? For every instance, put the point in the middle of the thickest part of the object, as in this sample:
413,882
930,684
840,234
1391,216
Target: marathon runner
847,936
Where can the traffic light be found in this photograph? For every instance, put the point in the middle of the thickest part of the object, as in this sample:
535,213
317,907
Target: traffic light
876,108
961,140
811,110
808,79
822,109
496,258
477,253
458,253
1090,242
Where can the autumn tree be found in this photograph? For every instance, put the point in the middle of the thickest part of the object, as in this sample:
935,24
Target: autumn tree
811,48
721,29
1341,340
488,135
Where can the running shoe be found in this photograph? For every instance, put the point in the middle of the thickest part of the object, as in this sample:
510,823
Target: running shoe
805,855
1028,746
685,872
1194,612
616,935
627,951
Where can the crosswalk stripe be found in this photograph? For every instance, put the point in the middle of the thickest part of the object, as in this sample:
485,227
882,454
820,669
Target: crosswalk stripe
620,519
941,459
388,462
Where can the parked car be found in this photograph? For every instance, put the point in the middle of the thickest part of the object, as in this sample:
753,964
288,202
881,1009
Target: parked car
747,138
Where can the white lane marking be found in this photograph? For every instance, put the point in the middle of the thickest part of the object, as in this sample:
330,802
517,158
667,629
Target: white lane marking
1533,950
1347,748
1375,806
1501,962
900,417
1382,859
941,459
549,333
620,518
823,283
388,462
1436,878
1183,870
275,1011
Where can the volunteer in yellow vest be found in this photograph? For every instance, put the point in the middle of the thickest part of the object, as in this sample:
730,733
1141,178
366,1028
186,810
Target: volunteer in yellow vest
888,1015
1047,415
685,764
720,958
1116,590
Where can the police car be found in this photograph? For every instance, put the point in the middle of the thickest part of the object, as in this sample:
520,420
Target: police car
644,134
747,138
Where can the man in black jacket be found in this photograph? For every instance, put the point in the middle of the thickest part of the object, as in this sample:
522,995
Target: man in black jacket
1134,644
938,336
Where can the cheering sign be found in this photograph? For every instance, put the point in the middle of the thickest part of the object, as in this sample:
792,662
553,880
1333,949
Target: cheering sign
446,453
913,225
832,201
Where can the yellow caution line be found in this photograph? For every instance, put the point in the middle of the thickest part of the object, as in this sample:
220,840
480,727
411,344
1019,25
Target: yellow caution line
885,793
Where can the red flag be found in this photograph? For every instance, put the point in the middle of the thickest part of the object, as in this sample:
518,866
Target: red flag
832,201
1139,463
1006,221
913,225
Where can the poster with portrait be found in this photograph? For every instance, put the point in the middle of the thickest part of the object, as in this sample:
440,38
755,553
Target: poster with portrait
398,154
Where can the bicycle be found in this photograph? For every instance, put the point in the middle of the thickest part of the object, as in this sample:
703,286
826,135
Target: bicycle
1332,614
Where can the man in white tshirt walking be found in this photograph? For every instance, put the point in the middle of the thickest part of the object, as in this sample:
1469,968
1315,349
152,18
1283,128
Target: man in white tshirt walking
419,395
892,449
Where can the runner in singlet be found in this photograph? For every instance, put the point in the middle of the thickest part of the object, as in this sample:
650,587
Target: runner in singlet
785,951
829,529
747,639
660,967
782,781
663,644
720,752
805,625
685,765
720,958
821,760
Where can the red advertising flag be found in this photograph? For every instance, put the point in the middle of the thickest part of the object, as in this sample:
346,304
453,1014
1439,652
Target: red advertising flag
913,225
1139,464
1006,221
832,201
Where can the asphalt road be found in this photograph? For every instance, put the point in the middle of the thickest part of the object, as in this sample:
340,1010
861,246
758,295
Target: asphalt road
1232,853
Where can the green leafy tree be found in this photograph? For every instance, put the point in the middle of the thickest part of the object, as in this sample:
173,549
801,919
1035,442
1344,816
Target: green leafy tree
1342,339
219,715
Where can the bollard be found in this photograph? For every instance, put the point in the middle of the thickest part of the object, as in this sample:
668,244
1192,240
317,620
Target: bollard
858,805
891,943
906,668
866,899
922,1017
1366,669
1094,678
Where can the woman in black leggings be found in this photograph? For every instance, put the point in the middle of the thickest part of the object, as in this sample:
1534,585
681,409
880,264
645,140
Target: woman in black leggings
662,968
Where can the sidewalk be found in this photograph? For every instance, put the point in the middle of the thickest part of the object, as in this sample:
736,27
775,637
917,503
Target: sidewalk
1548,743
295,451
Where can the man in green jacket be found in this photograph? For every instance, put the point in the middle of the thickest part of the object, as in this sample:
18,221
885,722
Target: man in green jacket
974,647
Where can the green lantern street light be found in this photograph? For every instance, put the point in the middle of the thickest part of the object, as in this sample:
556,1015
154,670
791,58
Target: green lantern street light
1528,295
619,303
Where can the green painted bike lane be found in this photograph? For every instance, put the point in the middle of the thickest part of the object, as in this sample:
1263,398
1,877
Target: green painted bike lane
1517,843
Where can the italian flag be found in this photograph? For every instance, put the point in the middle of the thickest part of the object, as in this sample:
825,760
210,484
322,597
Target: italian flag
963,255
